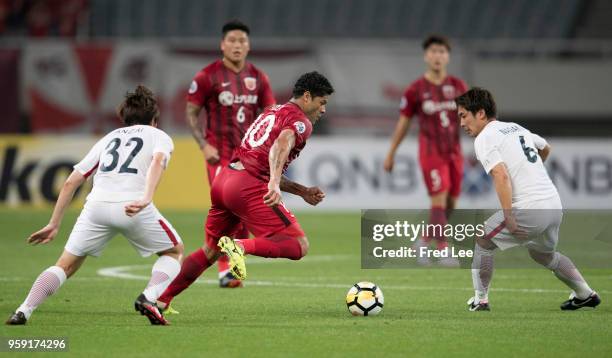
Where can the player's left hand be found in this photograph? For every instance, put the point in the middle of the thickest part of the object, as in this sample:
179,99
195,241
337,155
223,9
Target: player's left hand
514,228
135,207
313,195
273,197
43,235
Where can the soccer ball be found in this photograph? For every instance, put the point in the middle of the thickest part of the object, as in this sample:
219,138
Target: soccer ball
365,299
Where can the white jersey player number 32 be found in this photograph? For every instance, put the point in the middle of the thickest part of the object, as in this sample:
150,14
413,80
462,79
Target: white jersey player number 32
111,150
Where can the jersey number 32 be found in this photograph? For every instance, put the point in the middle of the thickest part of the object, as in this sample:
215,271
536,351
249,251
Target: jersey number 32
111,150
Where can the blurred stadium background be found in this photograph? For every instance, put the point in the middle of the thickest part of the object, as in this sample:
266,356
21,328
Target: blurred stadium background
65,65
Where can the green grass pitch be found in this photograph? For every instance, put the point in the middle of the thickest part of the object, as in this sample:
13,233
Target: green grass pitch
296,308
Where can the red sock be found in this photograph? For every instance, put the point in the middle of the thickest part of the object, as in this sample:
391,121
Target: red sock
437,216
282,244
192,268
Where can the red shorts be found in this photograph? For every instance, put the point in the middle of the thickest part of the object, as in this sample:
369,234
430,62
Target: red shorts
237,197
442,174
213,169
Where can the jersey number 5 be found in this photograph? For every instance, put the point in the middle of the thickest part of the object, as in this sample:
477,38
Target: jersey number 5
444,120
112,147
530,153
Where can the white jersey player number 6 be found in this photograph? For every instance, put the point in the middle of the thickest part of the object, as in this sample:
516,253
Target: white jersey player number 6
264,124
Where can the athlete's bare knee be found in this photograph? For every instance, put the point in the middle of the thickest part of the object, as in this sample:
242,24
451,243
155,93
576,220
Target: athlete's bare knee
304,245
175,252
212,254
439,200
70,263
543,258
485,244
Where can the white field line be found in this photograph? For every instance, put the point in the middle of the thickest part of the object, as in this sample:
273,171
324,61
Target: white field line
123,272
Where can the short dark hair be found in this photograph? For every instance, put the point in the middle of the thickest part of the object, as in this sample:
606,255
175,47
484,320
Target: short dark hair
436,40
312,82
476,99
234,25
138,107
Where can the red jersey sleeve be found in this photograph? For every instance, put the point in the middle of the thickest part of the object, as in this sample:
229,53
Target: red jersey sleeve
266,96
301,127
408,103
199,89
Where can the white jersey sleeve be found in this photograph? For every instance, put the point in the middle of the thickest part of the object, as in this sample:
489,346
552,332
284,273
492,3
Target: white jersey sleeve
89,164
163,144
539,142
487,151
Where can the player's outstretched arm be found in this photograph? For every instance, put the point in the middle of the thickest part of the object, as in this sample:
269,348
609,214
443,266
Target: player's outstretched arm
312,195
192,114
279,152
153,178
401,129
503,187
48,233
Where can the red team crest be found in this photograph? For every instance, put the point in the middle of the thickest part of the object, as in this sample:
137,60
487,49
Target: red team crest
449,91
250,83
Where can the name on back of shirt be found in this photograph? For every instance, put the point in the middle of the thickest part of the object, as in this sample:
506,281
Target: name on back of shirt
509,130
128,130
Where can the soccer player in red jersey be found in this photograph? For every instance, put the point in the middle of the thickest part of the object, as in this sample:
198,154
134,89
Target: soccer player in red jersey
431,98
231,91
248,190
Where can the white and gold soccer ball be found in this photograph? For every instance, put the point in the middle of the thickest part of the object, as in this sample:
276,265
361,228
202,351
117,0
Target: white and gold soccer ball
365,299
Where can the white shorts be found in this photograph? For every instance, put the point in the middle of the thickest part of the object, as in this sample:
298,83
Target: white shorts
148,231
541,223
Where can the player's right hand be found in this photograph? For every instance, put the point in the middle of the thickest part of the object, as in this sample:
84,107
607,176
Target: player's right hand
273,197
43,235
388,164
211,154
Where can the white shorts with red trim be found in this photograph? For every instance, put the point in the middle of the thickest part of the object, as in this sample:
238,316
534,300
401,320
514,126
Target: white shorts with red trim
148,231
542,226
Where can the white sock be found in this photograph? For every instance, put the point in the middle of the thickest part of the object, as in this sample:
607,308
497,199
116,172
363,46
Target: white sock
482,272
566,271
164,271
47,283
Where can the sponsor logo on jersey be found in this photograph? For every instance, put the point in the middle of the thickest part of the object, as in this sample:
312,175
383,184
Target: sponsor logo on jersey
403,102
193,87
430,107
227,98
250,83
448,91
300,127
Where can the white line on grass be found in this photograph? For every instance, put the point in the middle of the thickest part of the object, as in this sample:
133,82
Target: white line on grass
123,272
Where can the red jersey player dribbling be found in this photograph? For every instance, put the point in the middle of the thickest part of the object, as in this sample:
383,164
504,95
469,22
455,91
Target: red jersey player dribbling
232,92
249,189
431,99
